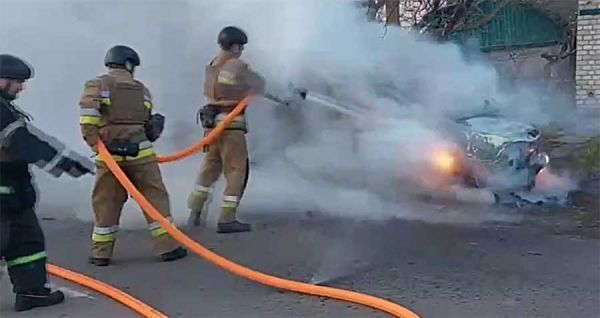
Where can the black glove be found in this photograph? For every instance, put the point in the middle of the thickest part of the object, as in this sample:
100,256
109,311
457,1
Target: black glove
302,92
75,167
297,95
154,127
123,148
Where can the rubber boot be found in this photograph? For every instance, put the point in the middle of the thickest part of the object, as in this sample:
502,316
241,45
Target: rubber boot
41,297
101,253
233,227
173,255
229,224
196,202
99,261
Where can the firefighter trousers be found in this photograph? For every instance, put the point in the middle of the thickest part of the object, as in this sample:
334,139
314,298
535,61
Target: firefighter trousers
228,155
22,242
109,196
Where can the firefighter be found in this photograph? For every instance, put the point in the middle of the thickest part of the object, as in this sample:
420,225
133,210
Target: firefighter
21,144
117,109
228,80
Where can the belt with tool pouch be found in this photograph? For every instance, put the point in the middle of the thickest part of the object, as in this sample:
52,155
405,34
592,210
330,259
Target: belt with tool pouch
127,150
210,116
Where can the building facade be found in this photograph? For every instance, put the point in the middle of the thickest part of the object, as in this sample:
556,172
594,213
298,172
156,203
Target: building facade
587,70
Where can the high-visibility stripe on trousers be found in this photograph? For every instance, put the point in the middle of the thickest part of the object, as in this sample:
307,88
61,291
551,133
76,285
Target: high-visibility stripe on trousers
6,190
109,196
26,259
228,209
22,242
104,234
157,230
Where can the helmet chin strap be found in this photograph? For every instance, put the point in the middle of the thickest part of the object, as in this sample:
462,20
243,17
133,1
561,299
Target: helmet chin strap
236,49
129,67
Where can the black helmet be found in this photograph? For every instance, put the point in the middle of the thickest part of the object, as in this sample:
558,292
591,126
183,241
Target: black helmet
12,67
119,54
231,35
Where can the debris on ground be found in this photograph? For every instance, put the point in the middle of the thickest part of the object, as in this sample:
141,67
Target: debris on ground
579,157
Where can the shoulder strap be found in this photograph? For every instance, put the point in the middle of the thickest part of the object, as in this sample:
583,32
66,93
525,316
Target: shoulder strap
106,85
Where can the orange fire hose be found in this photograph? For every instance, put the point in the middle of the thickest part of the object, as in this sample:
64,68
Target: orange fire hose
126,299
214,258
210,138
121,296
114,293
226,264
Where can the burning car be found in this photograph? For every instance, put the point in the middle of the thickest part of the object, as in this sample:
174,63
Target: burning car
489,152
478,157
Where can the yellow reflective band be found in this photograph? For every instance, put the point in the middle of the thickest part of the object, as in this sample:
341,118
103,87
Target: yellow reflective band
234,125
148,104
226,78
89,120
105,101
144,153
106,229
226,81
89,112
6,190
27,259
103,238
158,232
226,204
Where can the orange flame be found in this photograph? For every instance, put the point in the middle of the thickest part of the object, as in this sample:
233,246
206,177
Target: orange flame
444,160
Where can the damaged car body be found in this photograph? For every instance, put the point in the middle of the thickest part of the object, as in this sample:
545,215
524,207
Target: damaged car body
487,151
478,157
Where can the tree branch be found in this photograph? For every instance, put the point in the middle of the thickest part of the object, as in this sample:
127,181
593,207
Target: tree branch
489,17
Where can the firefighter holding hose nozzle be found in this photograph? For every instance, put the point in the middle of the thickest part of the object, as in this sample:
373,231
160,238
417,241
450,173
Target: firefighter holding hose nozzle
228,80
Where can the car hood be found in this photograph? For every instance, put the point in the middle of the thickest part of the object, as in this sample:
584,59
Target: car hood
512,130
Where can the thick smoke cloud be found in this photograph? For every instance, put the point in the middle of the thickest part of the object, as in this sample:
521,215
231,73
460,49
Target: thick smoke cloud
304,157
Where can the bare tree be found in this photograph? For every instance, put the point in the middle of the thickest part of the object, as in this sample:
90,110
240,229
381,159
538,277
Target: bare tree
443,18
372,7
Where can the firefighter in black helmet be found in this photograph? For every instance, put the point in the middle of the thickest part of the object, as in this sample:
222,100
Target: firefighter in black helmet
121,56
230,36
228,80
117,108
22,144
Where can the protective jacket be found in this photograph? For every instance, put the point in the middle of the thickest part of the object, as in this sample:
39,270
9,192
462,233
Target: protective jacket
22,144
228,80
116,108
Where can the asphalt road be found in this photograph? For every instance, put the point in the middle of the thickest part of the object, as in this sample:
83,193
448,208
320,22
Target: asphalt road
481,270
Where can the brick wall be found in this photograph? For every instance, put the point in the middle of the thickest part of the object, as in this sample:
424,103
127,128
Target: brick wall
587,72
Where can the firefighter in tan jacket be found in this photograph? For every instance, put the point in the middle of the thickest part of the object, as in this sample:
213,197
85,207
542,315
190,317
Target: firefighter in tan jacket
117,109
228,81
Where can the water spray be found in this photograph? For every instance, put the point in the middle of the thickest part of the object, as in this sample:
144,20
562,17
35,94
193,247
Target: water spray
301,94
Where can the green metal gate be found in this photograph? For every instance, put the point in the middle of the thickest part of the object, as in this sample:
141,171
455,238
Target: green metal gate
514,26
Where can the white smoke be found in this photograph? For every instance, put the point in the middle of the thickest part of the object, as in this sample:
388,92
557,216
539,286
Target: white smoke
305,158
